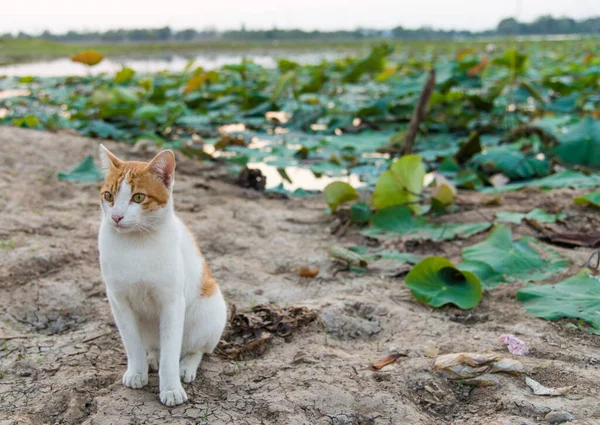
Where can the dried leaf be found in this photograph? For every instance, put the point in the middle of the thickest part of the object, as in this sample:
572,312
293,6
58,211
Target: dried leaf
486,380
387,360
302,357
492,200
539,389
249,333
589,239
534,224
462,53
229,140
197,81
306,271
470,365
468,148
89,57
594,269
479,67
347,256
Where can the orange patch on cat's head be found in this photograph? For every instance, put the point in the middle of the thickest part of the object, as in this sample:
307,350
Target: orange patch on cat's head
153,179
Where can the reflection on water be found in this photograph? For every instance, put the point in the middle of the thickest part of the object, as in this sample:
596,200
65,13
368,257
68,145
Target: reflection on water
301,178
64,67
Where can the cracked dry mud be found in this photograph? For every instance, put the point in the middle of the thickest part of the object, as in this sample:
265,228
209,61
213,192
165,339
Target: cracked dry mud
64,365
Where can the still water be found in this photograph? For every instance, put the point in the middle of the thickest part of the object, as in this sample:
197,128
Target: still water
300,177
173,63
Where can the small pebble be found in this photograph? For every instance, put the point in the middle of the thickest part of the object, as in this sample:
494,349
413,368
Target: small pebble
558,417
229,371
381,310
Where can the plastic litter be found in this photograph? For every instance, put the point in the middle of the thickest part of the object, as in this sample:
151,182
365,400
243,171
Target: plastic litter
515,345
539,389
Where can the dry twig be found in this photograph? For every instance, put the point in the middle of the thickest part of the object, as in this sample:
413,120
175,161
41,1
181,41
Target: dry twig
419,112
7,338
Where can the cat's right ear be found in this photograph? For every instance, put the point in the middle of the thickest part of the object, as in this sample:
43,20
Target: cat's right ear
108,160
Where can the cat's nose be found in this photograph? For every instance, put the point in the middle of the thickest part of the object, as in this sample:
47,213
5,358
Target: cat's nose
117,218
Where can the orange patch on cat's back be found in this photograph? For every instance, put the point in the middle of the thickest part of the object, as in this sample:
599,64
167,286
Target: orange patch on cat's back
208,287
142,180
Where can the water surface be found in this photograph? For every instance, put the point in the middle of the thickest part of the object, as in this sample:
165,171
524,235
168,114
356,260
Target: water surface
173,63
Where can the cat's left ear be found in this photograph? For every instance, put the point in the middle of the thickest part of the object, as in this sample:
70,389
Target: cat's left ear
163,166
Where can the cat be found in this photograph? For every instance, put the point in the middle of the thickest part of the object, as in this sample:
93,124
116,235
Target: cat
167,307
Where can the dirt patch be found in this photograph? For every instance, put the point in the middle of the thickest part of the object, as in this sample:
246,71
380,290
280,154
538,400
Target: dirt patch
63,360
352,320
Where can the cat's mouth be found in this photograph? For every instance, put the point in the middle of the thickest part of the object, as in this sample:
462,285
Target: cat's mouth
121,226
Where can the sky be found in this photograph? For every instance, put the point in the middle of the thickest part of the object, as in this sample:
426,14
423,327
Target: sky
59,16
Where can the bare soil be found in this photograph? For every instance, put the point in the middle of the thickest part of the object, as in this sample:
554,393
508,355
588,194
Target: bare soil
61,358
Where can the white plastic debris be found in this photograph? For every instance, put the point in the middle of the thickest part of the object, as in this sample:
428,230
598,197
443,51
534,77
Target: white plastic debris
539,389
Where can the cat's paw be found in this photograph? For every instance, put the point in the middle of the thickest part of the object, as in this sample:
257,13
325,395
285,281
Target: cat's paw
135,379
188,367
188,374
173,397
153,362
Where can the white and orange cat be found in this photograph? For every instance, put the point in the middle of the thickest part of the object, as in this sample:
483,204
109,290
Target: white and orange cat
168,308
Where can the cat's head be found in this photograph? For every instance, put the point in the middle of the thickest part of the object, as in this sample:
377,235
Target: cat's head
136,196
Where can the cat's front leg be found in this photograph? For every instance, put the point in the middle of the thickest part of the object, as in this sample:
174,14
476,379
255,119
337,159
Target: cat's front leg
171,333
136,375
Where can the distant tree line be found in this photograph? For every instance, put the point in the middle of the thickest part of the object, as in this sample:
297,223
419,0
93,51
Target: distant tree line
547,25
544,25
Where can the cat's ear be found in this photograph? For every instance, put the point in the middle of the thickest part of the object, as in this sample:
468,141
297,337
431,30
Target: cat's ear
108,160
163,166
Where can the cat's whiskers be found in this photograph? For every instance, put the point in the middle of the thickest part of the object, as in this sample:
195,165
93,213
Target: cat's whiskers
147,229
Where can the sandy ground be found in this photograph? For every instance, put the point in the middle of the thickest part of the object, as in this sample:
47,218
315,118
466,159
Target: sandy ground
61,358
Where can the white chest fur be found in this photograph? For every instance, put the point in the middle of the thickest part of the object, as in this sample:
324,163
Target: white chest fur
133,259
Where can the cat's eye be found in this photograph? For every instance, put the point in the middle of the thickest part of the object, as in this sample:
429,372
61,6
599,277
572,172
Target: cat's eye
138,197
109,196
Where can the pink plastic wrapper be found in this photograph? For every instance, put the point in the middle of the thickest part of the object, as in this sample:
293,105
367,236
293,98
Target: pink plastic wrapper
515,345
